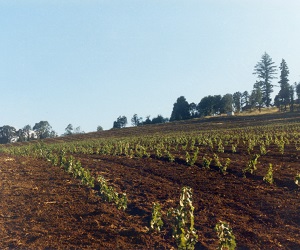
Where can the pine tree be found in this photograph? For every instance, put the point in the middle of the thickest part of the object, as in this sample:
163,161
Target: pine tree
265,71
284,93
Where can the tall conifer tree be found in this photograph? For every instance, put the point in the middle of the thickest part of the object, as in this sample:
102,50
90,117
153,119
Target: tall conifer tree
265,71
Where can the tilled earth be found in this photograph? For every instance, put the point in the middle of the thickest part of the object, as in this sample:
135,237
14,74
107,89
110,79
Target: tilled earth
42,207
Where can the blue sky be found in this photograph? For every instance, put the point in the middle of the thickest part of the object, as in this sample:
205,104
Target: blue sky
87,62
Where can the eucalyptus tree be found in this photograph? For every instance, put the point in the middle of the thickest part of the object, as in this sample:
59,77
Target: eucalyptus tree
43,130
7,133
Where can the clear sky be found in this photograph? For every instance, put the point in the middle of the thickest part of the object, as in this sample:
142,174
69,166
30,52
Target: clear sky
87,62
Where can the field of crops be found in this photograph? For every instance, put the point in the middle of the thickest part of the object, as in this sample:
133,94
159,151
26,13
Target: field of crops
157,187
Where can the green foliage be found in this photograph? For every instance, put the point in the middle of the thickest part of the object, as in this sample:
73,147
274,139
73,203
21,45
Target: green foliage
224,167
262,147
216,160
87,179
141,151
156,222
120,122
192,160
183,221
44,130
251,145
280,145
297,179
206,161
169,156
181,110
107,193
225,235
268,178
265,71
122,201
220,147
233,148
251,166
187,158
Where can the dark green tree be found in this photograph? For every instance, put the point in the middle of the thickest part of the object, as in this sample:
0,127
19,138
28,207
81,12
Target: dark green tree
209,105
99,128
159,119
265,71
193,110
147,121
292,97
181,110
135,120
284,93
27,132
226,103
120,122
237,101
20,135
256,97
7,133
297,89
43,130
245,100
69,129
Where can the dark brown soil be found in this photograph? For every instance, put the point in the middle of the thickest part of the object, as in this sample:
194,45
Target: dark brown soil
42,207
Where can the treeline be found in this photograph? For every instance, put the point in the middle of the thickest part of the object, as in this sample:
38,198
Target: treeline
121,121
287,99
257,98
40,130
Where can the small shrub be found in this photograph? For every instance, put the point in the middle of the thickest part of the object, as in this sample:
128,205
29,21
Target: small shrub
169,156
225,235
206,162
156,222
216,160
233,148
107,193
263,149
122,201
192,160
251,166
268,178
183,221
220,147
224,167
297,180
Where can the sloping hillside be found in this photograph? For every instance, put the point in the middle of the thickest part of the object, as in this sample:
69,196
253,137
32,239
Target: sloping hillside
44,206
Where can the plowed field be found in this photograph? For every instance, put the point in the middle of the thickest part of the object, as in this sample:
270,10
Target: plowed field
43,207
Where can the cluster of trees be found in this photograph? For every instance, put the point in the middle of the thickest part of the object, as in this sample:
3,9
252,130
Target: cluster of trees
259,97
121,121
40,130
71,131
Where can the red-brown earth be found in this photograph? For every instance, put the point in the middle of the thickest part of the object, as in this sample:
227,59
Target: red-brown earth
43,207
